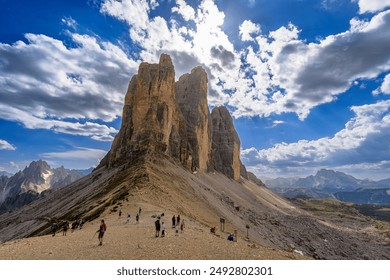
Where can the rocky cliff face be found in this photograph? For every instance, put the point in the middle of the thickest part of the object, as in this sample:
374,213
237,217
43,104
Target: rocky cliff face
161,116
149,113
191,96
225,152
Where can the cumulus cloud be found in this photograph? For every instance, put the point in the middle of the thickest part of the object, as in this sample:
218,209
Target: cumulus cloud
203,42
45,84
248,29
372,6
290,75
79,158
4,145
186,11
364,141
385,88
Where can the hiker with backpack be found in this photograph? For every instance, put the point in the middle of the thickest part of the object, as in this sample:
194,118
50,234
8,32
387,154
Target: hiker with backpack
158,227
54,228
137,218
65,227
102,229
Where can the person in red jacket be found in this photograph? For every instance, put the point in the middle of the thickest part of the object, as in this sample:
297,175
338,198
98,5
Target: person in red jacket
102,229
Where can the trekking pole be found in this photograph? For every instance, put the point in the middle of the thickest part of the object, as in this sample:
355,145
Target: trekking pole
94,235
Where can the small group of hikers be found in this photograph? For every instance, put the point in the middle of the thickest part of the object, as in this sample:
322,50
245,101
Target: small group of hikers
65,227
177,224
137,216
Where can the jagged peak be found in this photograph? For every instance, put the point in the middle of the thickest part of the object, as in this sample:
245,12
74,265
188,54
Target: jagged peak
161,116
165,60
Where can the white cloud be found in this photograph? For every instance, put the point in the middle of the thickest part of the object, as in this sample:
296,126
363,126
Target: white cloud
276,123
134,12
69,22
365,141
4,145
188,45
290,75
186,11
385,88
89,129
372,6
44,84
284,74
79,158
248,29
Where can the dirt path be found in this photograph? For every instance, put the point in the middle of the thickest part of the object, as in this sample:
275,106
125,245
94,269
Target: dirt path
137,241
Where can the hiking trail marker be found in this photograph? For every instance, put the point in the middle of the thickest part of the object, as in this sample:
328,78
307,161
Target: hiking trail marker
222,221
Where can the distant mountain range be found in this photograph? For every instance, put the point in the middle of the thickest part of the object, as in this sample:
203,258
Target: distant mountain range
5,173
34,182
332,184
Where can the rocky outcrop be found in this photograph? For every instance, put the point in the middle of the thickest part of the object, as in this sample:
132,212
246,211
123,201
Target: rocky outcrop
161,116
225,154
191,96
149,114
256,180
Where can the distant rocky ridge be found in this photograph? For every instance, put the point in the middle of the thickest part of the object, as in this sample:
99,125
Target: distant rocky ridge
332,184
5,173
161,116
33,182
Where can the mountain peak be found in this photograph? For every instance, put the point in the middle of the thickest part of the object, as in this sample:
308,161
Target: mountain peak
161,116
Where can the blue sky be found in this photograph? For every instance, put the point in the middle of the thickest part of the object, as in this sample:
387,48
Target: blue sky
307,81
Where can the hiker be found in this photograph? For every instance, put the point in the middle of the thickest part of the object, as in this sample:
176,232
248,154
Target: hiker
177,230
230,237
65,227
158,227
178,220
137,218
173,221
102,229
162,230
81,223
73,226
128,217
54,228
182,226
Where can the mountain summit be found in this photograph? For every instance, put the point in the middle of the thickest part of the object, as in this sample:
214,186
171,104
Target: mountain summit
161,116
33,182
